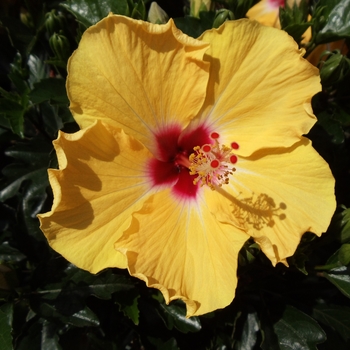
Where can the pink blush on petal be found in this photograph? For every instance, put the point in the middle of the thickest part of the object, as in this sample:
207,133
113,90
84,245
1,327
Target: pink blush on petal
184,188
163,173
166,142
170,167
275,4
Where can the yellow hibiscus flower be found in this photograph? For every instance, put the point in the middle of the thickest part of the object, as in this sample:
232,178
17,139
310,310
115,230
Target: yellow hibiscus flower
187,148
266,12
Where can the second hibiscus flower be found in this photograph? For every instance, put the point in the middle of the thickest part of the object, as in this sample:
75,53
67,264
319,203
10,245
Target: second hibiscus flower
188,147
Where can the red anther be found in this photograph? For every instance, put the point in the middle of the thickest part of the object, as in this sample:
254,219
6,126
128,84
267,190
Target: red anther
234,145
206,148
214,163
214,135
233,159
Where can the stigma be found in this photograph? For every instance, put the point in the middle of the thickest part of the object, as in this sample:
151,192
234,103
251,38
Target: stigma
213,163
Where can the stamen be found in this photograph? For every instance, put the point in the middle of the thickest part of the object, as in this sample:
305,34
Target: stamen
234,145
206,148
233,159
213,163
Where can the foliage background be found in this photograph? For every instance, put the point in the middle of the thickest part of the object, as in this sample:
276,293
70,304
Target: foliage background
47,303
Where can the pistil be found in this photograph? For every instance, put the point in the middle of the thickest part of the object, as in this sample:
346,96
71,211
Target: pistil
213,163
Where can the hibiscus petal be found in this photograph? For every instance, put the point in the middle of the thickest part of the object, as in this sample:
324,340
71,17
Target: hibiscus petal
278,196
181,249
137,76
260,87
101,181
265,13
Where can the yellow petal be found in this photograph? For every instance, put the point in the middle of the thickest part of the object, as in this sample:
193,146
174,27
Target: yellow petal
277,196
137,76
260,87
101,181
265,14
181,249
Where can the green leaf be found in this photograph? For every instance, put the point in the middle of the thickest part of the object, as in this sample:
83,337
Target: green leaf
327,120
50,89
5,327
32,339
22,38
240,7
195,26
14,112
89,12
344,225
174,315
294,19
344,254
80,284
337,25
159,344
298,331
334,316
38,69
128,304
49,337
297,30
83,318
105,285
139,10
269,338
10,254
31,163
250,332
340,277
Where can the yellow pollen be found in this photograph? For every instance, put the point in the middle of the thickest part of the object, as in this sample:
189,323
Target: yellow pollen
213,163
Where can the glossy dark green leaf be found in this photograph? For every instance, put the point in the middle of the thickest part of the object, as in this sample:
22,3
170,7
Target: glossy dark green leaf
340,277
344,254
31,338
81,284
10,254
14,112
31,161
344,223
50,89
337,25
5,327
38,69
298,331
334,316
269,340
89,12
22,37
297,30
250,332
51,117
128,304
108,283
327,120
195,26
159,344
83,318
174,315
49,337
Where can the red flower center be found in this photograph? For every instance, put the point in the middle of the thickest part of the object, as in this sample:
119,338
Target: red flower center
185,166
